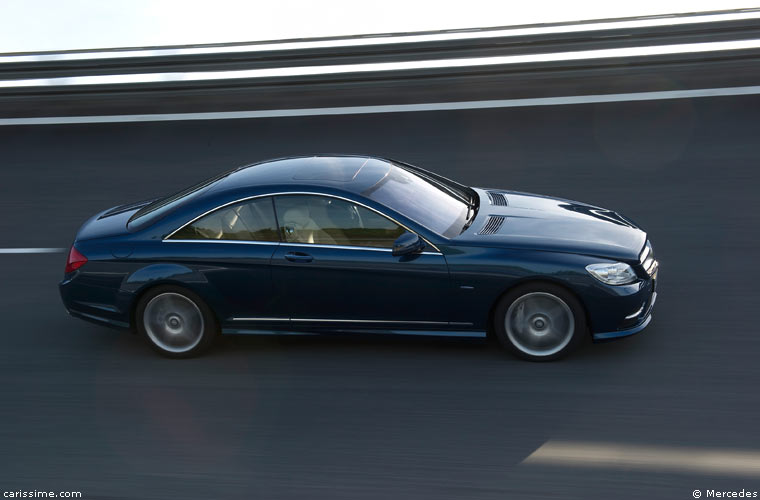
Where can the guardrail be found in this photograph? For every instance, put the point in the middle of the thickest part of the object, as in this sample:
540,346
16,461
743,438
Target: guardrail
663,53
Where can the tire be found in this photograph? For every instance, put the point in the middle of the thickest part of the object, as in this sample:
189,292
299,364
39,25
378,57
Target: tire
539,322
175,322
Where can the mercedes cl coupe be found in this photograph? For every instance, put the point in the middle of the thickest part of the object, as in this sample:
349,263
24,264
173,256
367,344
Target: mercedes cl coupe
356,244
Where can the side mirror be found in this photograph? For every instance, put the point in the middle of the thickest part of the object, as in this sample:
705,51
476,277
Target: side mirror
407,243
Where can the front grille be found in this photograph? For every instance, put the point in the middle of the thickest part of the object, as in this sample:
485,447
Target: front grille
647,260
497,199
493,224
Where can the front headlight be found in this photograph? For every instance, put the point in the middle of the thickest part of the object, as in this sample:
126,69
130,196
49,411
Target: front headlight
617,273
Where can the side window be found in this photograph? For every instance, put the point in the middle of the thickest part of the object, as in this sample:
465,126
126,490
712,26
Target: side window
247,221
330,221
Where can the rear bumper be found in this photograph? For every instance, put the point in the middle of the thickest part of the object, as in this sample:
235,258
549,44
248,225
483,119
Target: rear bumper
91,303
98,319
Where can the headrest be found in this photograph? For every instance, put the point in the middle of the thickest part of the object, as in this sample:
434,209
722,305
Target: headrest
298,218
230,218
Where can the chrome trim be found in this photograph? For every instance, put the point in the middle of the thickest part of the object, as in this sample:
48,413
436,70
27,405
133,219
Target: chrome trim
260,319
277,243
244,242
645,253
492,224
374,321
168,236
497,198
322,320
647,259
426,333
240,200
346,247
649,265
631,316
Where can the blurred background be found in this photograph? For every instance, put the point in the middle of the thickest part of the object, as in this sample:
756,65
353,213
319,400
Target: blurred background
649,109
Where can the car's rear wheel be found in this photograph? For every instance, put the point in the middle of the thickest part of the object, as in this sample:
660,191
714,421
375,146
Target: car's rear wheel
539,322
175,321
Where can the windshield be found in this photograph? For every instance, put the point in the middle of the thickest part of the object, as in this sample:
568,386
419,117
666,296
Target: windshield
439,204
154,211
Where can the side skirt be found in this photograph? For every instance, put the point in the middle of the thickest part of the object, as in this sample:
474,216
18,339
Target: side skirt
342,331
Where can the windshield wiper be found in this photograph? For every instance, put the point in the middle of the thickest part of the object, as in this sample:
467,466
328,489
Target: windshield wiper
472,208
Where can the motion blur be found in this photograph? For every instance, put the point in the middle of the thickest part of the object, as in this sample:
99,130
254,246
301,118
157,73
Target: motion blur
655,118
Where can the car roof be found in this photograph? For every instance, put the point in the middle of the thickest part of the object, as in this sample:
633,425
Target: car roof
349,173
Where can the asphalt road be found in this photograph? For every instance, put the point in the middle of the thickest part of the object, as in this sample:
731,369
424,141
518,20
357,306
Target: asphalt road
89,409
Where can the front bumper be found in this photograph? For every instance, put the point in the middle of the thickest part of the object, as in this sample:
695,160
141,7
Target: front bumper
642,321
619,324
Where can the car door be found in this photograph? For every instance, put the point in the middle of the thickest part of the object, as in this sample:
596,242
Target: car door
335,267
232,248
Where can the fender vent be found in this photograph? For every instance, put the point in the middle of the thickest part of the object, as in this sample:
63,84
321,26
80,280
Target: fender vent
493,224
497,199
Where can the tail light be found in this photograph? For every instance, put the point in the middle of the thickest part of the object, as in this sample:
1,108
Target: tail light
75,260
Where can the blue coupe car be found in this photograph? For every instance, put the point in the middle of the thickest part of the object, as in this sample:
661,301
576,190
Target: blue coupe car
355,244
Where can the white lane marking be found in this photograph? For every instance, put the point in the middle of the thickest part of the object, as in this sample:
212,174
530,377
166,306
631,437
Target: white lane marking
731,462
382,39
32,250
335,69
390,108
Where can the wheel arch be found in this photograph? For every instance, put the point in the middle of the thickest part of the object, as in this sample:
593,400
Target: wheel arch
153,284
536,280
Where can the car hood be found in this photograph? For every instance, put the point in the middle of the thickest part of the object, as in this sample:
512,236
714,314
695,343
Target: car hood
523,220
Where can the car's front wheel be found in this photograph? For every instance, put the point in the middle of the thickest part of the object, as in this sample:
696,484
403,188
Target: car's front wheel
175,322
539,322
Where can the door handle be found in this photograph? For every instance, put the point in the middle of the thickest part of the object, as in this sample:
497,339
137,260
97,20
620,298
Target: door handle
298,257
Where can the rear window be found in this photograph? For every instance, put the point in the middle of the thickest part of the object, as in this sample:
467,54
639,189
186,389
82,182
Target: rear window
159,208
251,220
